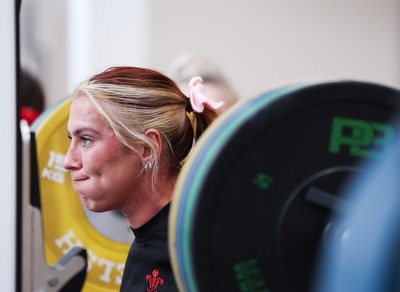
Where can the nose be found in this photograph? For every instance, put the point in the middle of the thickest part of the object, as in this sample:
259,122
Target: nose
72,158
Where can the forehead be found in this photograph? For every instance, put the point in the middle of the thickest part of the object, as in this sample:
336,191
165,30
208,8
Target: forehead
84,115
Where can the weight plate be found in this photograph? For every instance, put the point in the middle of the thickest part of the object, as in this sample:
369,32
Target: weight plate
253,202
65,223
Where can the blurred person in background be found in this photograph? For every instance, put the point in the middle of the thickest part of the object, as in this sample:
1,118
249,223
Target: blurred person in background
32,97
216,86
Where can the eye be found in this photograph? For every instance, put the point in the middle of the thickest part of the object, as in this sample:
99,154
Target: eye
85,140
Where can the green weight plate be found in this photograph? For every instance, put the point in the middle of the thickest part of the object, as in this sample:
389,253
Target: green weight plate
185,199
256,198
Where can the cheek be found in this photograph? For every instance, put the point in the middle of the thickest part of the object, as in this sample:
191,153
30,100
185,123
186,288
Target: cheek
95,161
114,164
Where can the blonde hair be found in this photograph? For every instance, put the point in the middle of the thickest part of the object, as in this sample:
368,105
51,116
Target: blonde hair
133,100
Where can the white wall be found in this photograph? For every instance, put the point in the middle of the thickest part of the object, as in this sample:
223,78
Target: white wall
102,33
255,41
263,41
43,44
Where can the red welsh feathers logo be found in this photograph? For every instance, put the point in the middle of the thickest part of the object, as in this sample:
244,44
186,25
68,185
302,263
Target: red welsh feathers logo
154,280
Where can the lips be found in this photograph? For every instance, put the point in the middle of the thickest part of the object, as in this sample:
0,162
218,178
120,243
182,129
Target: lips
78,179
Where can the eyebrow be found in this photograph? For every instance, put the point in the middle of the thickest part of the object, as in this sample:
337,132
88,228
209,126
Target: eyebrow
77,132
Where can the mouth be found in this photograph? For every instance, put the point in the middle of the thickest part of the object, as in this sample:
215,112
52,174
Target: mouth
77,180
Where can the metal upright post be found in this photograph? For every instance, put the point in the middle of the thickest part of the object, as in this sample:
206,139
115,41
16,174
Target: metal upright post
8,147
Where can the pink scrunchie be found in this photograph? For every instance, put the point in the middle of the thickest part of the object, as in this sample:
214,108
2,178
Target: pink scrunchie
197,96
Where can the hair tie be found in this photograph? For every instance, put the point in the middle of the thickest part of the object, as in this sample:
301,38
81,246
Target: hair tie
198,99
189,108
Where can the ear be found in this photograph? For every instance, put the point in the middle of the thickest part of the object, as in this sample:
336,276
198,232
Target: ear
155,136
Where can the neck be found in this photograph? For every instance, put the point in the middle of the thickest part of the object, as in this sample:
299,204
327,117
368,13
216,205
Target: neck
140,213
145,212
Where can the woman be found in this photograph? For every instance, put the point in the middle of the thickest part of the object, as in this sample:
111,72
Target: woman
130,130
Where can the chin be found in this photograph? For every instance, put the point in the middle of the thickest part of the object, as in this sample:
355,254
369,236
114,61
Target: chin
88,204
